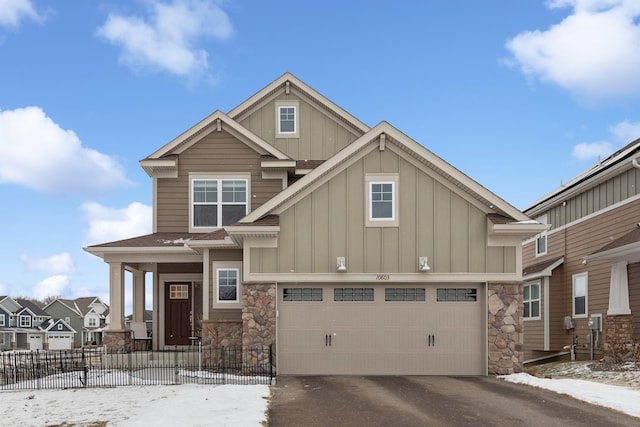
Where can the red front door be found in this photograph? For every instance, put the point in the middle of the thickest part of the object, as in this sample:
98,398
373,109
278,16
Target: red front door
178,314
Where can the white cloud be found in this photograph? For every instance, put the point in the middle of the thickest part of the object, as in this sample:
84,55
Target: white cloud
591,150
13,12
594,53
59,263
167,38
4,289
37,153
51,286
108,224
626,131
621,134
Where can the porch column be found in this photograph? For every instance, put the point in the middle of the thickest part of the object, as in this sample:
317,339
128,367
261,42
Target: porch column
138,286
206,284
116,296
619,290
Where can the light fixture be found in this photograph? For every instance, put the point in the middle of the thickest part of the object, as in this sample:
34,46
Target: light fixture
341,264
423,264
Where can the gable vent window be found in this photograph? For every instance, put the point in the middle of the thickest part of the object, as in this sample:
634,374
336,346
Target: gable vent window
287,119
218,202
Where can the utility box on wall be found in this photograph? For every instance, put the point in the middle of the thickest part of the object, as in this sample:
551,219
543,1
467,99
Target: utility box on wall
595,322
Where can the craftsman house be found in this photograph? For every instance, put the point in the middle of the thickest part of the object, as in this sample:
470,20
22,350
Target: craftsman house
355,248
88,315
582,276
24,325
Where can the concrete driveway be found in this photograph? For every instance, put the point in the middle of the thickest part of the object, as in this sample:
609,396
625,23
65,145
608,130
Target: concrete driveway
428,401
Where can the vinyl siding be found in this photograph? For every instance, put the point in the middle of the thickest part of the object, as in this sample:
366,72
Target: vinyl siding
574,242
433,222
217,152
320,136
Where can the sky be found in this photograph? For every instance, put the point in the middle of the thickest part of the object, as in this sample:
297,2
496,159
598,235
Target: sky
520,96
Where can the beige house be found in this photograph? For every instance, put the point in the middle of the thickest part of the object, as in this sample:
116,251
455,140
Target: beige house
582,276
355,249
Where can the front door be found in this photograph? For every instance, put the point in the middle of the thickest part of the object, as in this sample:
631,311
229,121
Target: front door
178,314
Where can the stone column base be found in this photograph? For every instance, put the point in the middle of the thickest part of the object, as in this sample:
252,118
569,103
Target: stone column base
117,341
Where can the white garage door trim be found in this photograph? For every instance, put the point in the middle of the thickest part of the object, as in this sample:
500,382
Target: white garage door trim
347,333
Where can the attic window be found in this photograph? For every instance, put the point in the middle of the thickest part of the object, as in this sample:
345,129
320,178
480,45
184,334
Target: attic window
287,119
382,204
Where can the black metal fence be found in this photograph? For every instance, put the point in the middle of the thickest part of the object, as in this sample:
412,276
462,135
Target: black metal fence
30,370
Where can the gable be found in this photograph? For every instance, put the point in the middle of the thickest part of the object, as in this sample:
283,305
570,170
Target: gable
434,220
319,135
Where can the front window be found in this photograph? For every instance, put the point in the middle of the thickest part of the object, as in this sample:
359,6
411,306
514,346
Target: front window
227,284
531,299
1,319
92,321
218,202
25,321
382,206
580,294
382,201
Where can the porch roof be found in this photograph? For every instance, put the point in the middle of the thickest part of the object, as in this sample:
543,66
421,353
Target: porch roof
626,247
541,269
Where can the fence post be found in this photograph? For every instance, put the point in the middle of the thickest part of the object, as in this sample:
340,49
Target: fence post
176,376
84,369
130,368
271,364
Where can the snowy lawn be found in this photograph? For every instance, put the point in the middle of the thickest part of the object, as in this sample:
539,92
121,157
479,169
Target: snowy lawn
622,399
186,405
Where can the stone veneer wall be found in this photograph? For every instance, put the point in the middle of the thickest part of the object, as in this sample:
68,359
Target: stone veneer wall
221,333
505,323
618,329
258,314
117,341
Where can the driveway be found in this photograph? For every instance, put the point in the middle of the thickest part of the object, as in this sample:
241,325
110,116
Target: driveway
428,401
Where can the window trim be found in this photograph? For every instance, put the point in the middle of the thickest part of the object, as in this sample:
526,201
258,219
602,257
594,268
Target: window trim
530,300
25,325
296,119
586,295
227,301
542,236
226,265
385,178
216,177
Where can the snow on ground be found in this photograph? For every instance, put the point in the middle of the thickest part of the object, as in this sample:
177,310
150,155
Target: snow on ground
186,404
619,391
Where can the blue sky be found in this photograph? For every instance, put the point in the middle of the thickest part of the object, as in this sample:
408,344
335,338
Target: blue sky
520,96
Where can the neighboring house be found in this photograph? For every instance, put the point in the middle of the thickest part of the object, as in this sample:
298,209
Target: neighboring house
582,277
25,325
86,314
359,249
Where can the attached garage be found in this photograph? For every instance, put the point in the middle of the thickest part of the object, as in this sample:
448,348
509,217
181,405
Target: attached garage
35,341
375,329
60,342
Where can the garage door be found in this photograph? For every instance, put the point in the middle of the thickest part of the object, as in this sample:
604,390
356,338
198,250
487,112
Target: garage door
381,329
60,342
35,342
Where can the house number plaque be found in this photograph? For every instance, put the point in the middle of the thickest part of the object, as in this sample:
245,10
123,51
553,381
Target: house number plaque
382,277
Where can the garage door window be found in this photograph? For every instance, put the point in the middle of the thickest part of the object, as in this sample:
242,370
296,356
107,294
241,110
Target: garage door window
353,294
456,294
404,294
301,294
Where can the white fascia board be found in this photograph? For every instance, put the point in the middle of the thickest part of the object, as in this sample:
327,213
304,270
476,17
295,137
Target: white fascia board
630,252
278,164
218,244
547,272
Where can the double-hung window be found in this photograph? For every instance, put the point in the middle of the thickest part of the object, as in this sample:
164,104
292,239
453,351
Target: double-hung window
218,202
580,294
227,283
531,299
382,200
1,319
25,321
